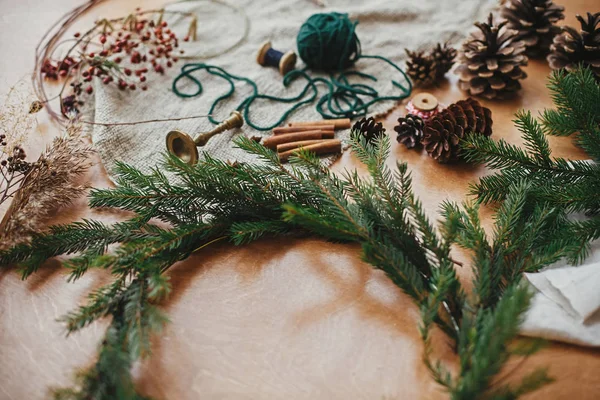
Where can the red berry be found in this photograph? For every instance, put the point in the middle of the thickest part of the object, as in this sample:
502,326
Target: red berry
132,86
186,39
63,72
142,78
106,80
102,39
127,71
85,74
104,53
89,90
77,34
118,60
169,64
144,87
164,24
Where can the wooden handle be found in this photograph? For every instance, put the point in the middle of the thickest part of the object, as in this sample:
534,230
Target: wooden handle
325,147
273,141
294,145
292,129
343,123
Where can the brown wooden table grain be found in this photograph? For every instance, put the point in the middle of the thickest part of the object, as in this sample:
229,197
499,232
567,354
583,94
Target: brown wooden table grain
300,319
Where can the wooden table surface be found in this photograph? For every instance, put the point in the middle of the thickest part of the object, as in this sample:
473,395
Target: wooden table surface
300,319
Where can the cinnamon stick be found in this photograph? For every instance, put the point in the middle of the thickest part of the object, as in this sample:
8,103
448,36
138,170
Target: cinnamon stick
325,147
292,129
294,145
342,123
273,141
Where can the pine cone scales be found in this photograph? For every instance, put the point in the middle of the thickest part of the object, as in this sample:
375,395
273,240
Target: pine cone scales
442,134
491,61
535,23
410,130
571,48
368,128
421,68
444,59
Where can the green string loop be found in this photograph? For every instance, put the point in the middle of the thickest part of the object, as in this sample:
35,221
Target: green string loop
326,42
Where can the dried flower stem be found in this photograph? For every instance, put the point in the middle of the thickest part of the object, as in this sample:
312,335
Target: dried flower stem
115,39
50,183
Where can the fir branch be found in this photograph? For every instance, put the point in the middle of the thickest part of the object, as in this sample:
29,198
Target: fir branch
241,203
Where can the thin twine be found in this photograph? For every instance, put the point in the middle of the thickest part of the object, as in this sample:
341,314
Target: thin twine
235,45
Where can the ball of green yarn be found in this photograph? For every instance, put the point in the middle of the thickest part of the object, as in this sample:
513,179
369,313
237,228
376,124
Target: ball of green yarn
328,42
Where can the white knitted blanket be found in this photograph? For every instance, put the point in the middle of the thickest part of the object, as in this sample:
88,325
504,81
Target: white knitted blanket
385,28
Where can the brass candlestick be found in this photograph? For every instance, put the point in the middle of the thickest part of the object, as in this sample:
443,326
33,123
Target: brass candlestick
183,146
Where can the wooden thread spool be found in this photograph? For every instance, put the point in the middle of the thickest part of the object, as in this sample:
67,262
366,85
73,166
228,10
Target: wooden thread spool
182,145
424,105
268,56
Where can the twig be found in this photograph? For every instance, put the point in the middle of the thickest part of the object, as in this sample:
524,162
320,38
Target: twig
143,122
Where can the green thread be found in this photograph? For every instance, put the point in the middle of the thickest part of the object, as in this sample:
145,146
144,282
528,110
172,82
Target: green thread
325,42
328,42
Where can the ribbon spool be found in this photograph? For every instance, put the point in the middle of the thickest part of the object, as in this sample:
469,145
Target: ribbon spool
424,105
268,56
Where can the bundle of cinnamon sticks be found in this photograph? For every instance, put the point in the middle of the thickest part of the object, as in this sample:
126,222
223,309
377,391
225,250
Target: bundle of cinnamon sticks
316,136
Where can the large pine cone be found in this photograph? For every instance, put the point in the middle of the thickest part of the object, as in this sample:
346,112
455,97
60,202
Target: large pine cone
571,48
444,59
491,60
421,68
368,128
410,130
443,132
535,21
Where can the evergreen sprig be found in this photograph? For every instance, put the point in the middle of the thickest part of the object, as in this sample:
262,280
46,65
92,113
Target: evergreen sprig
217,201
571,186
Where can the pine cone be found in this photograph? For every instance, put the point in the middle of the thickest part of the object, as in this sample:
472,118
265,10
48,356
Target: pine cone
368,128
444,59
535,22
421,68
442,134
571,48
410,130
491,61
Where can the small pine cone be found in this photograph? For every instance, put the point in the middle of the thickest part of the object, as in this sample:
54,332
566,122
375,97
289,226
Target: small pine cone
421,68
410,130
571,48
491,60
368,128
442,134
444,59
535,23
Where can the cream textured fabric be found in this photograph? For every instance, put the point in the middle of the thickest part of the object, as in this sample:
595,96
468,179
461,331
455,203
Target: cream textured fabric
566,304
385,28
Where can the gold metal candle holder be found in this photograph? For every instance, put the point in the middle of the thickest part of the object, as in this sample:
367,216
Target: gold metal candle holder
182,145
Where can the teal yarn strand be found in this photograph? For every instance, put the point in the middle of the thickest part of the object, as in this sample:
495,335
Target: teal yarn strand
326,42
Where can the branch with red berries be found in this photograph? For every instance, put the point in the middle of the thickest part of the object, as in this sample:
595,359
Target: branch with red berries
119,52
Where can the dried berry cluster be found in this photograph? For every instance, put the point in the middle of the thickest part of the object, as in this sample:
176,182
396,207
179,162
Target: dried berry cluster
13,168
120,52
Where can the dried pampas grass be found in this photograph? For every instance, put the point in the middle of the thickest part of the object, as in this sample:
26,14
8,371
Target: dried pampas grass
52,183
